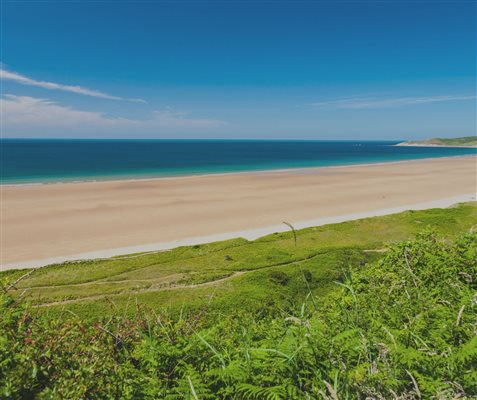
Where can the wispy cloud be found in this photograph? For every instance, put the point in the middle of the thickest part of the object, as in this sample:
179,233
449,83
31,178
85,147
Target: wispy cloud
24,80
370,102
36,114
28,112
180,120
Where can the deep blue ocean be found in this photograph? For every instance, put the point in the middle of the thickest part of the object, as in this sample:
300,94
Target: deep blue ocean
51,160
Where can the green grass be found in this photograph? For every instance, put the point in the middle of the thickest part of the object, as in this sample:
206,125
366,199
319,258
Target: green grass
461,141
231,274
401,326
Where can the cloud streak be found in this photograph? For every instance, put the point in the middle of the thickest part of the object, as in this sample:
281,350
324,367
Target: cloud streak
24,80
32,112
369,103
36,114
177,119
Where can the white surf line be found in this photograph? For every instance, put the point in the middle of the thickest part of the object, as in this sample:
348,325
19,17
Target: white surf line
272,171
250,234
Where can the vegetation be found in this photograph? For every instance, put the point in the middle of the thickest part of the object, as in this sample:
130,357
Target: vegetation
403,327
341,315
228,273
461,141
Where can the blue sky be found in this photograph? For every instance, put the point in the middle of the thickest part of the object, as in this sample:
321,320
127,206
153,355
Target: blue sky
379,69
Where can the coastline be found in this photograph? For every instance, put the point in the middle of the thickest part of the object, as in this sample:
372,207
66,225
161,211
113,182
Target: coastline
60,222
251,234
434,145
244,172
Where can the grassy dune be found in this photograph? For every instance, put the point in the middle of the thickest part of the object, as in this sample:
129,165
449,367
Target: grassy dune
229,275
342,315
461,141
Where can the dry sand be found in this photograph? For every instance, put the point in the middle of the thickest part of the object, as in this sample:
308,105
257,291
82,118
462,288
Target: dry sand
42,224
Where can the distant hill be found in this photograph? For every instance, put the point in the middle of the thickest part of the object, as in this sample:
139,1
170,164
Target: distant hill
461,141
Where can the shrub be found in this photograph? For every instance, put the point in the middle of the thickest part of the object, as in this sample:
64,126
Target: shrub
279,277
403,327
307,275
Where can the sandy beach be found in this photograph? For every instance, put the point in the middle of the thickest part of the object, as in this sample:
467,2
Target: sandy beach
42,224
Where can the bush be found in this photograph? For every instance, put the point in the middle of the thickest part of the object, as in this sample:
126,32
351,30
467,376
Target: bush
307,275
279,277
403,327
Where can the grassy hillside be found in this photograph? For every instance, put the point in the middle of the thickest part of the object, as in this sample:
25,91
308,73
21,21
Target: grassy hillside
461,141
230,275
403,327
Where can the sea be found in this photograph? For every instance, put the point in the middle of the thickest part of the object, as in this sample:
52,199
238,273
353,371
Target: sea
29,161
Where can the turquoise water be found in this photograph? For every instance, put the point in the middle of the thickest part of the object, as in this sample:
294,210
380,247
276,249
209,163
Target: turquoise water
35,160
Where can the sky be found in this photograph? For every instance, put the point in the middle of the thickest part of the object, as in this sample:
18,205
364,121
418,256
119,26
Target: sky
238,69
